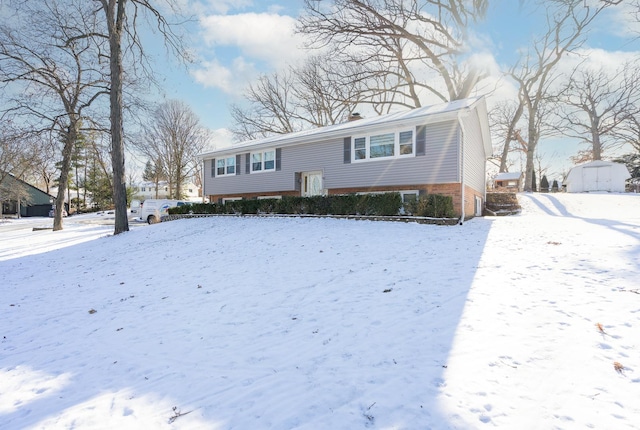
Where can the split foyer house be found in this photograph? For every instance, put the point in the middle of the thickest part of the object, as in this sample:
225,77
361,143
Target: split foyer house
438,149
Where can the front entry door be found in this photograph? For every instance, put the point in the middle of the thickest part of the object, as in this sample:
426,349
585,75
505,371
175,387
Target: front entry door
311,184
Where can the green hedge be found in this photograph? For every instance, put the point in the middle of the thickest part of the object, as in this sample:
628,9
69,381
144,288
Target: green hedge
387,204
432,206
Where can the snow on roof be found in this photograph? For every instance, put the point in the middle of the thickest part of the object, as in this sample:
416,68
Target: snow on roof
508,176
412,115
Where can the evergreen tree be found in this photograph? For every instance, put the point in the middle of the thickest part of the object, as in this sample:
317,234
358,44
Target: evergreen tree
149,173
544,184
98,183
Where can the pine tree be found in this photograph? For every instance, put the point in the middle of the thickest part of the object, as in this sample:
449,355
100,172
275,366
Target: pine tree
149,173
544,184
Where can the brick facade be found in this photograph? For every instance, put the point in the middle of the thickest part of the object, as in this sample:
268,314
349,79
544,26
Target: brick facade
454,190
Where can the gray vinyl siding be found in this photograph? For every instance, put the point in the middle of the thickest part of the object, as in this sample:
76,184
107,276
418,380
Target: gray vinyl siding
439,165
474,156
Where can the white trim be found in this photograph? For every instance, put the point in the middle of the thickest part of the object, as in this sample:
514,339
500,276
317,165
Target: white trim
230,199
226,166
263,160
396,145
405,119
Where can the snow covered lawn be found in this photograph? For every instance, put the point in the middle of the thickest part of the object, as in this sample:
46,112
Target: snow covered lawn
269,323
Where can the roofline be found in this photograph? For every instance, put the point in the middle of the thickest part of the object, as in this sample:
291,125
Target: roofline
28,184
348,129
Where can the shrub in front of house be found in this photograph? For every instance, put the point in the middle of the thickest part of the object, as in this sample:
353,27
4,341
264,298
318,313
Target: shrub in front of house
385,204
431,206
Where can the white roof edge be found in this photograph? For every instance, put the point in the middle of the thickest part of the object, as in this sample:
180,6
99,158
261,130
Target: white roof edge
508,175
432,113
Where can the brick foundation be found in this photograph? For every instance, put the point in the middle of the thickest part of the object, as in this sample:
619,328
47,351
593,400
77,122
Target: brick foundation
454,190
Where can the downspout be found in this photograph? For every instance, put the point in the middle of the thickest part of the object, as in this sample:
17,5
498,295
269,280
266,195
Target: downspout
461,164
202,178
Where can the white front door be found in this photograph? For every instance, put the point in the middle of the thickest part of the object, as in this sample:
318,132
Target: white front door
311,184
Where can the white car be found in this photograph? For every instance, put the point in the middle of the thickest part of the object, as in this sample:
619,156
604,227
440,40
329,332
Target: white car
153,210
135,206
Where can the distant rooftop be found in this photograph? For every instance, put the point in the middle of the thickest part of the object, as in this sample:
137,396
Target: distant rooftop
508,176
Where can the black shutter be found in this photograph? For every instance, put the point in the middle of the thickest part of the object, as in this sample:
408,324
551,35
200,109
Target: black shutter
421,140
422,193
347,150
213,168
247,163
238,163
298,180
278,158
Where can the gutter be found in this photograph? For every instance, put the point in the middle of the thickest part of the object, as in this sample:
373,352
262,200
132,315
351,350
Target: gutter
366,125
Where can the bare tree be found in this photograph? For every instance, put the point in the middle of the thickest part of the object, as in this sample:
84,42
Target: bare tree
173,137
504,118
52,72
418,44
317,93
594,104
122,22
567,21
269,108
629,130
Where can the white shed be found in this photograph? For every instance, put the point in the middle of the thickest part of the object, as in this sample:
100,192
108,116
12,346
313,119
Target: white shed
597,176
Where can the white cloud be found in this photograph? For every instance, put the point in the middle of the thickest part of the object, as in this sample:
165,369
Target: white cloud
230,79
218,6
625,20
265,36
608,61
220,138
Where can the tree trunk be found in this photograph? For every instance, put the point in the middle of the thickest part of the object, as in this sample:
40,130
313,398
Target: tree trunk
505,154
69,141
115,21
531,150
597,146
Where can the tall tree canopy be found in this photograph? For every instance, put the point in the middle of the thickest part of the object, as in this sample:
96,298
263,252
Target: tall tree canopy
419,45
173,138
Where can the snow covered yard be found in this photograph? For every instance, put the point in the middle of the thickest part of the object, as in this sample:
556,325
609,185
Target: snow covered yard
269,323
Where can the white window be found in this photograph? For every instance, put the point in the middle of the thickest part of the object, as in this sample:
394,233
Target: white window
360,148
409,196
263,161
226,166
231,199
387,145
382,145
405,139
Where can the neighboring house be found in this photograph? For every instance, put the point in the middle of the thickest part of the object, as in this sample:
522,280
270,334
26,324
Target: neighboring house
511,181
597,176
20,198
149,190
438,149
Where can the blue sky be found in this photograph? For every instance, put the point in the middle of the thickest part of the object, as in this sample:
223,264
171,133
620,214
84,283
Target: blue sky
236,40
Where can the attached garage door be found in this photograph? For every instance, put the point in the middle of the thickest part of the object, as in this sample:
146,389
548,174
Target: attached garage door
596,178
